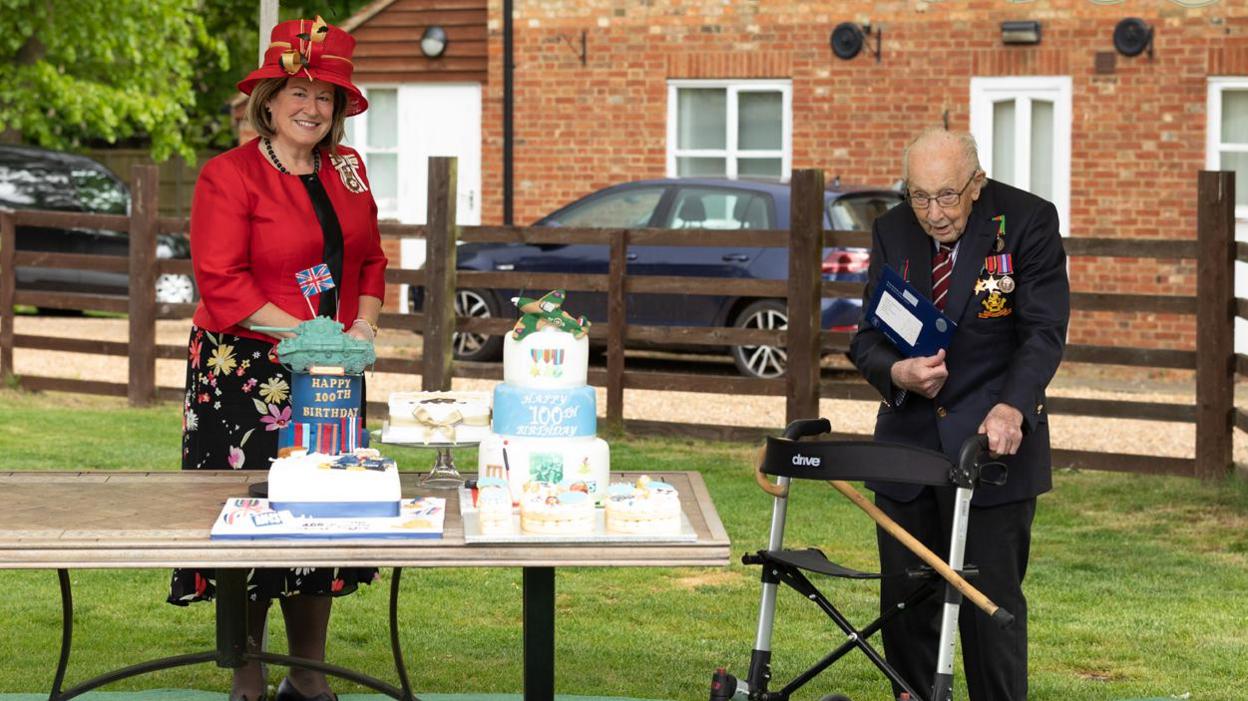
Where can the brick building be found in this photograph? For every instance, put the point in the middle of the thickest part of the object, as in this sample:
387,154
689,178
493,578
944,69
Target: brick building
665,87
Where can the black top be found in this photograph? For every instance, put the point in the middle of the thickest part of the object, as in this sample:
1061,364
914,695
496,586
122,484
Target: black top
332,232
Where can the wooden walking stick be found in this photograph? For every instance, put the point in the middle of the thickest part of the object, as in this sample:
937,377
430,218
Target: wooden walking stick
998,614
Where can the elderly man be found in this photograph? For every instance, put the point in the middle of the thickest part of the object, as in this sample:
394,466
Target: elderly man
991,258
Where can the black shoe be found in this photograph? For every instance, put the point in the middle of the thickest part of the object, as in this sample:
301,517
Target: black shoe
287,692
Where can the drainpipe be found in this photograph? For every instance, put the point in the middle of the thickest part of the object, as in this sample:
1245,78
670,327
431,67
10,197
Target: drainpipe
508,109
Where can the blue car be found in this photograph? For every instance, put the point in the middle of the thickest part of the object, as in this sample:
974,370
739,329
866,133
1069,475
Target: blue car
681,203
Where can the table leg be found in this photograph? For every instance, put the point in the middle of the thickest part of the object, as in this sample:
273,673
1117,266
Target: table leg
231,602
539,634
67,632
399,667
231,617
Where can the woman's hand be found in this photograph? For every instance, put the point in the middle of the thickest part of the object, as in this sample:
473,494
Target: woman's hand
362,330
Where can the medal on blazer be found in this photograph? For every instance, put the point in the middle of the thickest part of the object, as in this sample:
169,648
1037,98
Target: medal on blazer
1000,267
995,306
1000,243
348,170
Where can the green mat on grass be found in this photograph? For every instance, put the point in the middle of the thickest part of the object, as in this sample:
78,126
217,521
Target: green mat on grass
182,695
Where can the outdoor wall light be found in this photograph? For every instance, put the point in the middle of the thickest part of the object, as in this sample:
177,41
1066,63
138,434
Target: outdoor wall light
1132,36
433,42
848,38
1020,32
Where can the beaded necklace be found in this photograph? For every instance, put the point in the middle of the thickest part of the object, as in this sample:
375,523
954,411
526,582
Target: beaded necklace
316,159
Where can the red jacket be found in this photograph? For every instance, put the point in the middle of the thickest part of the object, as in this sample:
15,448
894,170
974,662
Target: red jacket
253,228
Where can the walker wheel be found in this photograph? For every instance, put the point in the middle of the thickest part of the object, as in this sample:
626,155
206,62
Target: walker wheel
835,697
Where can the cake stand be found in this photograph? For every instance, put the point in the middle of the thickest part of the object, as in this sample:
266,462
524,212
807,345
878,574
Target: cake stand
443,474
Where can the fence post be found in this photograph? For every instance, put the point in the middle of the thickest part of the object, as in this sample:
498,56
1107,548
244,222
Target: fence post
1215,323
439,305
144,211
617,321
805,293
8,292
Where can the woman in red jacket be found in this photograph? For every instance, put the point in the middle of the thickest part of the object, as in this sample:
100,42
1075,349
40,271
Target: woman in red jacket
262,212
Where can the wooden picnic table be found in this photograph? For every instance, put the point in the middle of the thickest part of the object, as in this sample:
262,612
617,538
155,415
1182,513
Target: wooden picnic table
126,520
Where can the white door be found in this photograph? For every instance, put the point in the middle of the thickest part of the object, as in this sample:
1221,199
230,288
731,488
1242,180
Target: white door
438,119
1022,128
403,127
1226,148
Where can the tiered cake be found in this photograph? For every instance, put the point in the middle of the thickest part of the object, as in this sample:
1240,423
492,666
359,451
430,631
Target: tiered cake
545,416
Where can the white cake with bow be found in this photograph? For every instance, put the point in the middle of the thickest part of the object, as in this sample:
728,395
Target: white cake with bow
545,420
437,417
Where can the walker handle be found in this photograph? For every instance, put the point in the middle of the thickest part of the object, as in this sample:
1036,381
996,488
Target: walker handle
807,427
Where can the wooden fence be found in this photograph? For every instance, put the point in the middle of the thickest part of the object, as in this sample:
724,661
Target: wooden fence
1213,305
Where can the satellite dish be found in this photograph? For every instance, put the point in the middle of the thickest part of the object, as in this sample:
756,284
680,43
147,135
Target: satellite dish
1132,35
847,40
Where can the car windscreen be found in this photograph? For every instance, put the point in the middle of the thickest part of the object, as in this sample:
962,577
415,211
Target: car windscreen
625,209
857,212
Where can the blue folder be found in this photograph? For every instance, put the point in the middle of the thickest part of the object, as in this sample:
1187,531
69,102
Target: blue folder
907,317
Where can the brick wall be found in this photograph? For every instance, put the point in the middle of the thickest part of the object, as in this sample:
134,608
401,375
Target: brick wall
1137,139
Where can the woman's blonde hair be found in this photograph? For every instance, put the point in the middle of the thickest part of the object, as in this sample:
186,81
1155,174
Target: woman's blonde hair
262,120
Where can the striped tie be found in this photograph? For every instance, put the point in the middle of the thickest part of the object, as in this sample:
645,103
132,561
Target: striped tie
942,268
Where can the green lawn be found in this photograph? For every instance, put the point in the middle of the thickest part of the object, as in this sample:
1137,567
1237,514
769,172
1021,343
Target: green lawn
1138,587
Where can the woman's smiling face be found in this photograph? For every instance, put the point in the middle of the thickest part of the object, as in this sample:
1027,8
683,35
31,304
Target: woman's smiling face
303,111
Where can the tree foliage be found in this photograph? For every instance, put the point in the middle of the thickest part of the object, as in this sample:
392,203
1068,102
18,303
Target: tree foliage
99,69
160,72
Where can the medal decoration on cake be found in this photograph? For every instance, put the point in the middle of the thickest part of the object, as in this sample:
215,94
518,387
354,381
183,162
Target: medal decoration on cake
995,278
547,312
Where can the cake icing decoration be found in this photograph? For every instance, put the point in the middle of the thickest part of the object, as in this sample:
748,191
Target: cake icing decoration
547,312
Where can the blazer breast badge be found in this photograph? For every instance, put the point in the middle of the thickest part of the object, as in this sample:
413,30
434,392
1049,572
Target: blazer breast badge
348,167
995,277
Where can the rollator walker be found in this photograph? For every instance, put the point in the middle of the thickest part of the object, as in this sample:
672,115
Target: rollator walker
838,462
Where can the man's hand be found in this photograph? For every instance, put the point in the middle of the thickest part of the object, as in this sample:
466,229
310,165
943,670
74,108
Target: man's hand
924,375
1004,426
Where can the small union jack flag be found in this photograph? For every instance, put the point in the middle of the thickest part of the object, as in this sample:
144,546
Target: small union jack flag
314,280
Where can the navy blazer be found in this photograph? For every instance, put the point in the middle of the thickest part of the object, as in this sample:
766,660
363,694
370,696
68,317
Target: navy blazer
994,356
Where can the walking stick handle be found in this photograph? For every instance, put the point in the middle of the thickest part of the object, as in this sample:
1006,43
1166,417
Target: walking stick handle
1002,617
765,484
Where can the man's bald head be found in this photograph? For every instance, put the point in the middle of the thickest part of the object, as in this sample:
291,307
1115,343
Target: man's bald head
941,143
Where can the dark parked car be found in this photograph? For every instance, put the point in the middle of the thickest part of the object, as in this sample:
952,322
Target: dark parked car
35,178
681,203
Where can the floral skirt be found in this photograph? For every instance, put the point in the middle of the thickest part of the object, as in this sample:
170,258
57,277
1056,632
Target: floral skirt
237,398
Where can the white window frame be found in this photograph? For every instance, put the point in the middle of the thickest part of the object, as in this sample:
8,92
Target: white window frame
1214,148
731,153
1213,161
358,140
985,91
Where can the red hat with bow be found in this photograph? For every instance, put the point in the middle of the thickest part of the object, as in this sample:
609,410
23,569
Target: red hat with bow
312,49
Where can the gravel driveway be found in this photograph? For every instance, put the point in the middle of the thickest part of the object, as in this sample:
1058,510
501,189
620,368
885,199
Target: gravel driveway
1074,380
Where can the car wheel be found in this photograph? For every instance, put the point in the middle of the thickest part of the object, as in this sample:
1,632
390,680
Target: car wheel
175,289
477,304
761,361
